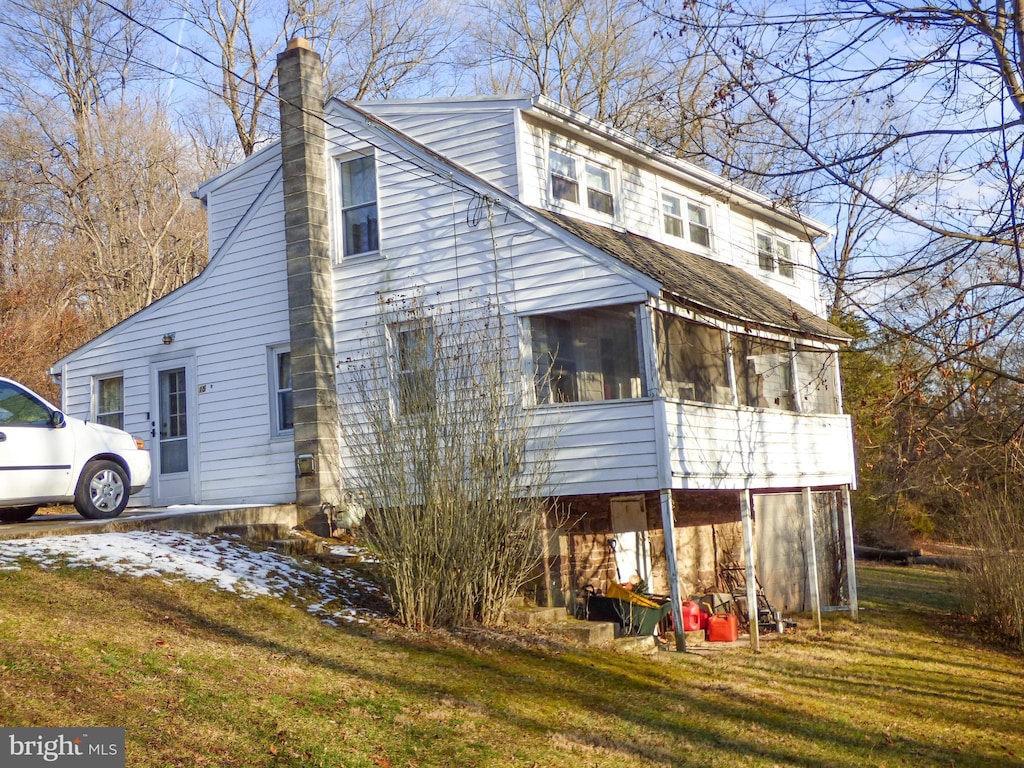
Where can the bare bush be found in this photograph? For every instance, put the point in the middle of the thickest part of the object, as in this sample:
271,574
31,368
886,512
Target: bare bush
993,580
439,454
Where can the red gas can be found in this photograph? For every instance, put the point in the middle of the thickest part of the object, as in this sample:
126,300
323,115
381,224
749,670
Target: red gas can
691,616
722,628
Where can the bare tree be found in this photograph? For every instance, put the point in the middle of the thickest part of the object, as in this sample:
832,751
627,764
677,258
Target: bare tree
239,40
442,461
943,82
601,58
377,48
101,183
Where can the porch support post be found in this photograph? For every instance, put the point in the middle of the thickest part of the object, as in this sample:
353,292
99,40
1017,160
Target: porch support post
746,521
813,567
669,528
851,559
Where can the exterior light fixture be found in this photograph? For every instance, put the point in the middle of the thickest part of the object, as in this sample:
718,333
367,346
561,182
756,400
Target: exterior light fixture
168,338
305,465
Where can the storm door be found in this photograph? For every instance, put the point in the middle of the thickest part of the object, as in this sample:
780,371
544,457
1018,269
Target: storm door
172,439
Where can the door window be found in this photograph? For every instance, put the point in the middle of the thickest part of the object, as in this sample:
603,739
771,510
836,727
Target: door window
173,422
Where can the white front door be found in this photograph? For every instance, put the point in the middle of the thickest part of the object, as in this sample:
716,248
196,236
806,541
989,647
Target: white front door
173,450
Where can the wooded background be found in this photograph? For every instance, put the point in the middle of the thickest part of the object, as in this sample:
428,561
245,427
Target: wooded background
900,124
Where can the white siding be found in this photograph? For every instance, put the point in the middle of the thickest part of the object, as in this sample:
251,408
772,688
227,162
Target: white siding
600,447
242,186
224,320
638,210
479,136
442,241
725,447
440,248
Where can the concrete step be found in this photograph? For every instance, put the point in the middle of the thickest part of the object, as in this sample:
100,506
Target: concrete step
296,546
589,633
634,644
255,531
535,617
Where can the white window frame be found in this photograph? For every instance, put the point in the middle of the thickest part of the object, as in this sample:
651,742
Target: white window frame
569,177
97,414
395,334
582,170
777,258
276,390
687,206
341,207
592,170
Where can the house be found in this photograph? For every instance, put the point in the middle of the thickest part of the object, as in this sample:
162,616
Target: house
698,389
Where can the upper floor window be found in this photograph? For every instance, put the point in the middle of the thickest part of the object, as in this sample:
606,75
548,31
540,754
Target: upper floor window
568,172
109,406
599,189
358,177
774,255
586,355
281,384
686,220
564,185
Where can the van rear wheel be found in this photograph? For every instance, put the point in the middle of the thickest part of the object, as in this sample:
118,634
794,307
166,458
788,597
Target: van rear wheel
102,491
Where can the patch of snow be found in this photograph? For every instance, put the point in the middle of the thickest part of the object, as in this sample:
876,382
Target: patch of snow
331,595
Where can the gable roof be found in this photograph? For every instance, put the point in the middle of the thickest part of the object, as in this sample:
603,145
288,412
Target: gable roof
702,284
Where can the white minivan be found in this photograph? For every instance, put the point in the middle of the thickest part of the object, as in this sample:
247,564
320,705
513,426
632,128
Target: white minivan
49,458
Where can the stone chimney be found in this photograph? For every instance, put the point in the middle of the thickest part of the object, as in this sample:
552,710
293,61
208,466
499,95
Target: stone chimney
310,287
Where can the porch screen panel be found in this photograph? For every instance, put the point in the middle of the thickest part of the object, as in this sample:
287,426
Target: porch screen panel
586,355
763,373
692,361
816,376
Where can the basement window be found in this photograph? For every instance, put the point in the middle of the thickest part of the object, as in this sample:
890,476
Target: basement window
586,355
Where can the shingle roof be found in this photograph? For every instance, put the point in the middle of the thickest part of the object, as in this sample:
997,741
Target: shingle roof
702,284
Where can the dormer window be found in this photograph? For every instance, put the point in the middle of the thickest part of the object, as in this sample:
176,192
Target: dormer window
686,220
564,185
599,189
568,171
774,255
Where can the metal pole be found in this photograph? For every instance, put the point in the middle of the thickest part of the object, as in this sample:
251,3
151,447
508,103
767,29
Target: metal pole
815,593
746,519
851,559
668,527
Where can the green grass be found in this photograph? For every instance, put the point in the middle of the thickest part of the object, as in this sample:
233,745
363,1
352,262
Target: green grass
202,678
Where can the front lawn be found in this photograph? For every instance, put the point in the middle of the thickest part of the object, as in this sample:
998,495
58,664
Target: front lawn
206,678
